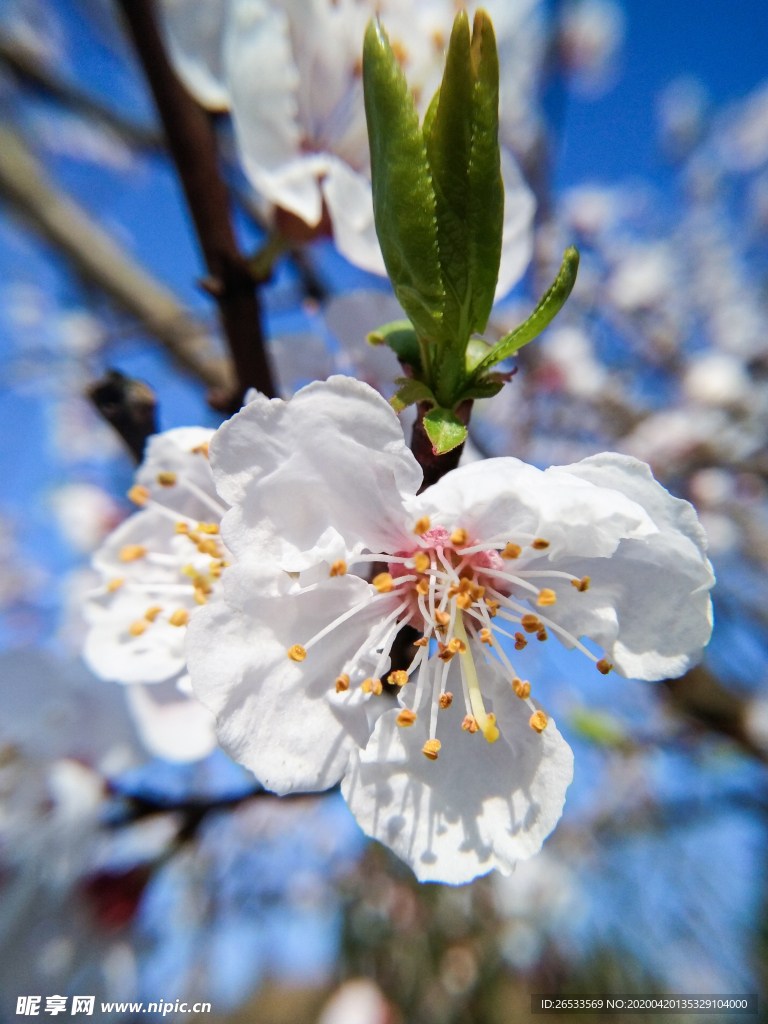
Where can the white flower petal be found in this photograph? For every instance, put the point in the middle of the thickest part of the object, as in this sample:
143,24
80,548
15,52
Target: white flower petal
480,806
274,715
263,80
649,607
193,30
350,204
517,236
320,477
506,497
178,730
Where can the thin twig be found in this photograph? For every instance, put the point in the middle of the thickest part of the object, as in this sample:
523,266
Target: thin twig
30,71
192,143
100,260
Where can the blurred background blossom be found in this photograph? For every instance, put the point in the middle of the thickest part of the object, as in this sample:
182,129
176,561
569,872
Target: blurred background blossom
133,869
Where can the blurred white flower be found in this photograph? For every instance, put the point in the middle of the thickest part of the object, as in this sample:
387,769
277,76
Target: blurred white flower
85,513
717,379
156,570
591,36
159,566
644,276
569,351
359,1001
743,137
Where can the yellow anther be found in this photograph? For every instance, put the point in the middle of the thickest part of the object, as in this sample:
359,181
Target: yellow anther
459,538
438,39
604,666
208,527
464,601
546,597
485,637
542,634
200,597
421,561
115,584
457,646
201,449
530,623
406,717
465,585
384,583
191,571
511,551
215,570
182,527
422,526
421,642
131,552
492,606
540,544
476,591
138,495
452,592
522,688
582,584
151,613
442,618
371,686
398,678
445,653
446,699
297,653
431,749
166,479
538,721
422,587
180,617
470,724
520,641
339,568
342,683
137,628
490,729
208,547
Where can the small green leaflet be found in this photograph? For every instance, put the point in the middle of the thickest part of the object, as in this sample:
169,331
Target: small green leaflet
444,429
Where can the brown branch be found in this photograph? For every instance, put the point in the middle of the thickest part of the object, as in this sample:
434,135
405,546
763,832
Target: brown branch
702,698
30,71
192,143
129,406
100,260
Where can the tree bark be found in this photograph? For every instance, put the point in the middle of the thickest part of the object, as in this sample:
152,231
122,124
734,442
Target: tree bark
192,144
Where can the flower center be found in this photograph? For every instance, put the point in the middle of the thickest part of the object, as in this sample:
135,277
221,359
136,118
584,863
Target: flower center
452,587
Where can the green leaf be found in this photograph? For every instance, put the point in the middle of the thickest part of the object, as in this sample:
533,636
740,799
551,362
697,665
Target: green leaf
444,429
402,339
403,197
464,159
546,311
486,188
486,387
449,146
411,391
599,727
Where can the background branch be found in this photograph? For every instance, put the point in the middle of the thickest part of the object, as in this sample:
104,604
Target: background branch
103,262
192,143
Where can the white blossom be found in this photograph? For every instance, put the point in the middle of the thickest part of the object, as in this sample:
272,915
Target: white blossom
293,661
290,72
157,569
